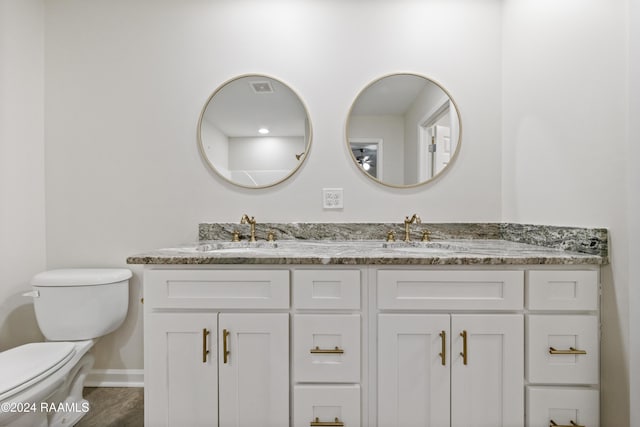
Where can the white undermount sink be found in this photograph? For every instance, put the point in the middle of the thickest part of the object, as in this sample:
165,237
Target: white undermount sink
429,246
242,246
225,247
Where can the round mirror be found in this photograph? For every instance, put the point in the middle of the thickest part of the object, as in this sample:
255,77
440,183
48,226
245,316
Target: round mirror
254,131
403,130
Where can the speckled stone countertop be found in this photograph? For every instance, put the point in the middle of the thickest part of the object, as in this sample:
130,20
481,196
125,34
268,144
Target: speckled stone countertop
352,244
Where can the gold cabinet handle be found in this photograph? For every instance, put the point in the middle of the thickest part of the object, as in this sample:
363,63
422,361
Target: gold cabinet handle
570,351
443,354
319,350
463,334
318,423
225,346
573,424
205,351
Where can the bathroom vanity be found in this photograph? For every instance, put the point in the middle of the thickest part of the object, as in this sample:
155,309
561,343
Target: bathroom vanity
468,330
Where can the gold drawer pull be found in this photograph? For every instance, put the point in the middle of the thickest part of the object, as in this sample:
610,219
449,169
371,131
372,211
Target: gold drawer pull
318,423
319,350
464,353
573,424
225,346
205,352
443,354
570,351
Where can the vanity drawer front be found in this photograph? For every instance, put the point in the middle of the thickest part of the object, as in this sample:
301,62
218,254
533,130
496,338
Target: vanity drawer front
562,290
217,289
314,405
562,405
573,339
450,290
326,289
326,348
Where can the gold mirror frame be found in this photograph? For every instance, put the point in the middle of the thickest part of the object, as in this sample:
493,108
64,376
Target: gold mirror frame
357,162
300,157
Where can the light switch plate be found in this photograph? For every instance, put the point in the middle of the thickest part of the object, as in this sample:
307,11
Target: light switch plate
332,198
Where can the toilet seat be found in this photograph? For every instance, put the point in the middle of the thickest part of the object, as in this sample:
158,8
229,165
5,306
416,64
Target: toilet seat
23,366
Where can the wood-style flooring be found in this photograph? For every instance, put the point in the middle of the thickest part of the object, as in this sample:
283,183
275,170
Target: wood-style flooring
113,407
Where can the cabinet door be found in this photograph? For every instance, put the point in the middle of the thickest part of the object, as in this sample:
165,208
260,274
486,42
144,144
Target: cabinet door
181,370
487,390
413,377
254,374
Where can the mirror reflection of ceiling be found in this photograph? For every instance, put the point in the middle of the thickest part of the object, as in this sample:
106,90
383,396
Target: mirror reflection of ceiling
391,96
409,124
245,105
254,131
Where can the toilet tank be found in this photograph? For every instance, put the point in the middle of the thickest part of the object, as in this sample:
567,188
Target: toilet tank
81,303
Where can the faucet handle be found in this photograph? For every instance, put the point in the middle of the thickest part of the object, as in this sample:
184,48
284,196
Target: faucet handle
271,236
426,236
391,236
236,236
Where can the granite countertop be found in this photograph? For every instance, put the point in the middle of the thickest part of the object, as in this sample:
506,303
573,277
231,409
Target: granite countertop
361,244
451,252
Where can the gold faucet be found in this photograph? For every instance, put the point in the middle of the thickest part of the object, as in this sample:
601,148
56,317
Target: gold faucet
415,218
252,222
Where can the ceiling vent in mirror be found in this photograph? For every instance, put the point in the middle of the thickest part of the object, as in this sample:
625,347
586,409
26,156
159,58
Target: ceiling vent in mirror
261,86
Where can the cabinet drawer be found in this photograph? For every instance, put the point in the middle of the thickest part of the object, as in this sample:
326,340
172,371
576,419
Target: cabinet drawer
562,334
562,290
450,290
329,289
326,406
562,406
195,289
326,348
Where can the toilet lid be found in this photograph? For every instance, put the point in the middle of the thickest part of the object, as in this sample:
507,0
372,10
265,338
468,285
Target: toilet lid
81,277
27,363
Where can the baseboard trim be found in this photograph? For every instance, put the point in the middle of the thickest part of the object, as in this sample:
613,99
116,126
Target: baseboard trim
115,378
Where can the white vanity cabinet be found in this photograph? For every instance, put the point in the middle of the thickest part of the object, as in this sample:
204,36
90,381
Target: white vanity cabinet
563,341
439,367
327,347
209,367
366,345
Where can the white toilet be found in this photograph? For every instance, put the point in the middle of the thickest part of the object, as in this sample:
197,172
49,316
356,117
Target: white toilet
41,383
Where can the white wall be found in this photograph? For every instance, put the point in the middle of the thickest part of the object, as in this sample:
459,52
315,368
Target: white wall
565,145
633,195
22,224
126,81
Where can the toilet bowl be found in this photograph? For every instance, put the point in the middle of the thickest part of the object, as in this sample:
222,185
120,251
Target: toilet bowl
41,383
